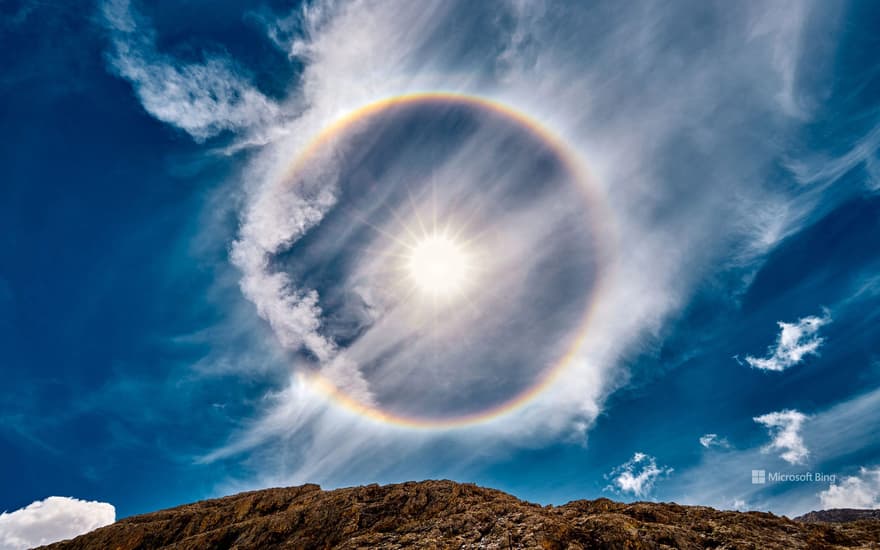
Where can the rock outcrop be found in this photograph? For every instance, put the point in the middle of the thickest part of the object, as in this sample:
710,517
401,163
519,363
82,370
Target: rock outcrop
839,515
445,514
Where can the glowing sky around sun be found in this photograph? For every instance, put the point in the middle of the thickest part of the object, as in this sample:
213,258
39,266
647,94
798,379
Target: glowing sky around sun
438,265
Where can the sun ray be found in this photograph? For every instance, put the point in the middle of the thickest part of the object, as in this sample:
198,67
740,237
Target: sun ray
399,219
415,211
361,218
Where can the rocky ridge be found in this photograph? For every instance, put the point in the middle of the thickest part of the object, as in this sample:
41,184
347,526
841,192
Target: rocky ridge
446,514
839,515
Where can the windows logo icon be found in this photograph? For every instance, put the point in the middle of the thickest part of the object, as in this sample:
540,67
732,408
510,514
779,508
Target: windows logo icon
759,477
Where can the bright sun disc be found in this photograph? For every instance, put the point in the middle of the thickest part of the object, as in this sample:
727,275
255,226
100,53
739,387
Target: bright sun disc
438,265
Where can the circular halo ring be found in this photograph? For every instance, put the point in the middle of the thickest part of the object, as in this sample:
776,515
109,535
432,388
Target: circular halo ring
599,226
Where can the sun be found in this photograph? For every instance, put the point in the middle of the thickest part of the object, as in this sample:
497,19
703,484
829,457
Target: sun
438,265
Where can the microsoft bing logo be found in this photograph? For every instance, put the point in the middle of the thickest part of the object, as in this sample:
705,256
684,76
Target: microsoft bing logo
759,477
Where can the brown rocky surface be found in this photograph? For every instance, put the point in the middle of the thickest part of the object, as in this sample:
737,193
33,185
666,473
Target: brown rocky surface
445,514
839,515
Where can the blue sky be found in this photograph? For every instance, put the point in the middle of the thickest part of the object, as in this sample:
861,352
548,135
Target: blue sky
166,283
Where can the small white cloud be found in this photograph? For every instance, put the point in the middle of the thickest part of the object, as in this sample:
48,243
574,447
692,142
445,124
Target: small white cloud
637,475
784,428
51,520
712,440
795,341
861,491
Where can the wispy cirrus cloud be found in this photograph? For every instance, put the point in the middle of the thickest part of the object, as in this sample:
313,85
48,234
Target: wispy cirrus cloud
822,172
51,520
795,341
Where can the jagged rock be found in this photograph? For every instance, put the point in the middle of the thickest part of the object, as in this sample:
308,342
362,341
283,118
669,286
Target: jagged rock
445,514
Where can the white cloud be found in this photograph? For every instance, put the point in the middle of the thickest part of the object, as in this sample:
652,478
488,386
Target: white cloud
56,518
784,428
713,440
861,491
795,341
637,475
202,99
